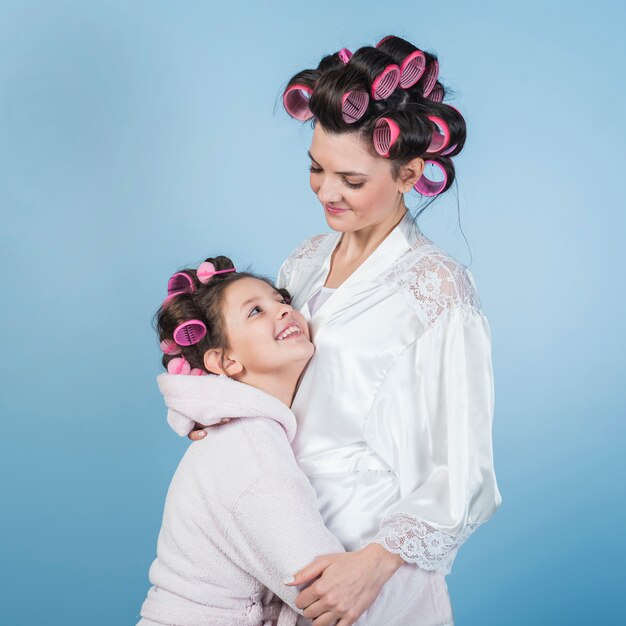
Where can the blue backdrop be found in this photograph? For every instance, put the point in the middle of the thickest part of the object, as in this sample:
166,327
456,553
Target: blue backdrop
136,137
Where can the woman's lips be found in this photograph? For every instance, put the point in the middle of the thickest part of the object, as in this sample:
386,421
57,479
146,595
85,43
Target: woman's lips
334,210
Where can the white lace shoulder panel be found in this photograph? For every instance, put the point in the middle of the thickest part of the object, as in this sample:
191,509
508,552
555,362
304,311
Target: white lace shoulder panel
431,281
418,542
308,252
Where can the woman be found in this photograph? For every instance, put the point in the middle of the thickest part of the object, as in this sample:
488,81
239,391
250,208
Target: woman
395,408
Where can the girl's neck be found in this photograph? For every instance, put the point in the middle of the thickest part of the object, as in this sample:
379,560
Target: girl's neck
281,385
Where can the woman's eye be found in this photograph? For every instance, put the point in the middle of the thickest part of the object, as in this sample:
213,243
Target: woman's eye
352,185
315,170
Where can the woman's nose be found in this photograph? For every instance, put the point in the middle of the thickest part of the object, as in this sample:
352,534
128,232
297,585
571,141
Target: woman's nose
329,192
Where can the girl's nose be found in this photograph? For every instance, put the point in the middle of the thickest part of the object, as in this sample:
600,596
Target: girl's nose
284,310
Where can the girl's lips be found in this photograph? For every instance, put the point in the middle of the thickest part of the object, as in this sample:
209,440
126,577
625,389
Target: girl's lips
334,210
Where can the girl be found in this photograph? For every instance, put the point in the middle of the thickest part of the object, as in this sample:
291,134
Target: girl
240,516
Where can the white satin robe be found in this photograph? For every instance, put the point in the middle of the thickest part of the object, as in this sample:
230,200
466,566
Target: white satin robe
395,409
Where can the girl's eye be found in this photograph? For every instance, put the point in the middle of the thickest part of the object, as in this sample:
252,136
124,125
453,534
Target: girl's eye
353,185
254,311
315,170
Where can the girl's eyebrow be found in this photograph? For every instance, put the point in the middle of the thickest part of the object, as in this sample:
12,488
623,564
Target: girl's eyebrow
340,173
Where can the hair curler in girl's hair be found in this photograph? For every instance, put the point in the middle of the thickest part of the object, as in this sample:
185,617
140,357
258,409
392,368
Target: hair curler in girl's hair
345,55
169,347
353,105
179,365
386,132
206,270
296,102
386,82
189,333
428,187
412,69
179,283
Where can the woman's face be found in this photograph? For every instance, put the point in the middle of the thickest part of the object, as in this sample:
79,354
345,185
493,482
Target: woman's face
265,334
356,189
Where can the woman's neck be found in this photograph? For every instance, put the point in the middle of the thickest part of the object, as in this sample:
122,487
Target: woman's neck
355,247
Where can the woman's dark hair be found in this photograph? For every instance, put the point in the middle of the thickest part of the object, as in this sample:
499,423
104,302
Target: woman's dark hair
409,108
205,303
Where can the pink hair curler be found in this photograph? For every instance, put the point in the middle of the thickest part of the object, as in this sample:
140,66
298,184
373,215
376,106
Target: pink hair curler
196,371
189,333
386,132
449,150
412,69
179,365
180,282
441,135
206,271
436,95
382,41
430,78
386,82
296,102
345,55
353,105
428,187
169,347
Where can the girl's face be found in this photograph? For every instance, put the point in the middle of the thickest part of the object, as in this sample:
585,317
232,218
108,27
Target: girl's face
356,189
265,334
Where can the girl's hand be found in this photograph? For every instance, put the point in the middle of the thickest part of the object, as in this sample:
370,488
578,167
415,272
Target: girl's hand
347,586
199,433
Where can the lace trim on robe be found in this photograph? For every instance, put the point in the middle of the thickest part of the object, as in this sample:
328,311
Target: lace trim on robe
431,281
306,253
418,542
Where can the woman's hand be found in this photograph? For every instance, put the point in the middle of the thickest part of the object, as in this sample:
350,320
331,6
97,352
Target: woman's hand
199,433
347,586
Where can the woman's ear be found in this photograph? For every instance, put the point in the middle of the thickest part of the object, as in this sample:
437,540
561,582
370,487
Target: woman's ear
216,362
410,173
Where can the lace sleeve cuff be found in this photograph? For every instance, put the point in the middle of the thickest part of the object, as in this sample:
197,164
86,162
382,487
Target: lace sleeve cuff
418,542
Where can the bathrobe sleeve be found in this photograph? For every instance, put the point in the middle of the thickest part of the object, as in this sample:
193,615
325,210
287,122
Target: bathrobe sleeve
276,528
432,420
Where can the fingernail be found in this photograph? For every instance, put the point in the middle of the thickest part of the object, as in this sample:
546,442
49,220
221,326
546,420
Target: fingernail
202,434
289,580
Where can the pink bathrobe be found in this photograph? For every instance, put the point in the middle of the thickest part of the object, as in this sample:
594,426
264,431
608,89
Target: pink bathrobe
240,517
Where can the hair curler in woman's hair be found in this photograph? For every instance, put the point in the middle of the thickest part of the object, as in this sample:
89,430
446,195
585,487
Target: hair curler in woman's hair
412,68
345,55
296,102
429,79
428,187
386,82
441,135
353,105
189,333
437,94
385,134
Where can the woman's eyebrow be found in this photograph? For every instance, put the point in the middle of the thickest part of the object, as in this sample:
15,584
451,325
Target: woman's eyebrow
340,173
